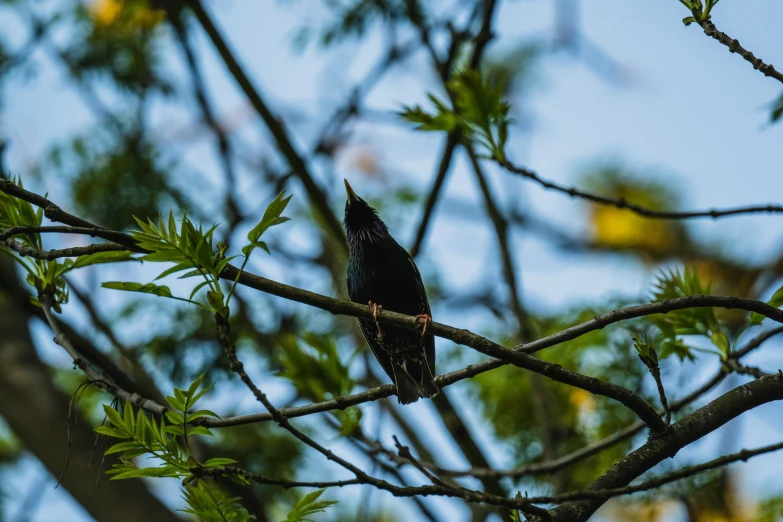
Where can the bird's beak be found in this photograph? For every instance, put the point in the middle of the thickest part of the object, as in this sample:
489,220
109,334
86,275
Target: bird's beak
349,191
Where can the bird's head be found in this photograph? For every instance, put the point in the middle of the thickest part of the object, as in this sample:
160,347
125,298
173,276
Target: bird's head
361,220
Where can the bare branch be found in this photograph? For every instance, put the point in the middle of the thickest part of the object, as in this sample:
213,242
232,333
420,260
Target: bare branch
218,471
636,209
680,434
543,468
757,341
405,452
735,47
48,255
738,367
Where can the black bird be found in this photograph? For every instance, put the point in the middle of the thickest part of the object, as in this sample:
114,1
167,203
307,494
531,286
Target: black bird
383,275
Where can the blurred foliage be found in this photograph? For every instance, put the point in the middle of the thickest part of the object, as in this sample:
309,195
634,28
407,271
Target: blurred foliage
350,19
118,38
46,277
113,177
479,111
318,374
620,229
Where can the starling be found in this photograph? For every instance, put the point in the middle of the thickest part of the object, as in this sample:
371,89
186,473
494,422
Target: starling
383,275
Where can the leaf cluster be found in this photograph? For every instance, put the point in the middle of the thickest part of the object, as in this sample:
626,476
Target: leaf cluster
192,250
478,111
691,321
308,505
700,11
166,442
45,276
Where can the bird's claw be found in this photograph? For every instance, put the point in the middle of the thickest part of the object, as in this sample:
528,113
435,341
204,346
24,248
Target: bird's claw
376,310
427,320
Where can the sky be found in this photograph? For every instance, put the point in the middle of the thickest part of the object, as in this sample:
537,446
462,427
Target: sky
691,111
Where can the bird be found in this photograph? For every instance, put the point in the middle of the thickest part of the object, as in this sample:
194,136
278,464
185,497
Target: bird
382,275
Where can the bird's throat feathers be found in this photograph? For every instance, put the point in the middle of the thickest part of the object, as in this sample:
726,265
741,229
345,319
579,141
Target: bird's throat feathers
363,227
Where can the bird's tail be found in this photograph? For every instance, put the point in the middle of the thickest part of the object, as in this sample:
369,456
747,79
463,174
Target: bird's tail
414,379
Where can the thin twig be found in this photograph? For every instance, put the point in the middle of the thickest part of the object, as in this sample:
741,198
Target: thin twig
48,255
553,466
405,452
680,434
637,209
757,341
653,483
735,47
738,367
680,474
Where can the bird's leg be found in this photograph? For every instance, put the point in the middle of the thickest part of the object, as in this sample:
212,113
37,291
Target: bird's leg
427,320
376,311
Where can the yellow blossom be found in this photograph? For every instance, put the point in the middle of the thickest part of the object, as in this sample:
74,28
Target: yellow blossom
129,13
620,228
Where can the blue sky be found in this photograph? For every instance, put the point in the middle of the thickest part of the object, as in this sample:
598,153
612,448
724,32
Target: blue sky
693,111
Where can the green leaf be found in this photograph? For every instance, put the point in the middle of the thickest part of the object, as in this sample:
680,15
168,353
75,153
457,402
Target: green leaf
688,20
175,417
198,287
720,340
176,402
111,432
200,430
194,386
200,413
122,446
219,461
176,430
97,258
174,269
200,394
272,216
115,418
308,505
247,249
149,288
776,301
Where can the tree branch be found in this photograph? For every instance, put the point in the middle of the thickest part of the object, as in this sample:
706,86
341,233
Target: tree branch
542,468
636,209
680,474
680,434
48,255
735,47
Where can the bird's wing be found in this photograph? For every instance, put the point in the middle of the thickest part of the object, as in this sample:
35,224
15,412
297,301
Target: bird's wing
428,340
370,331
